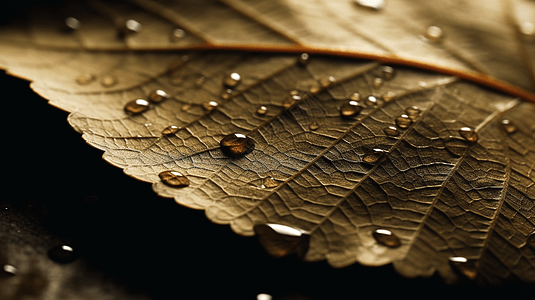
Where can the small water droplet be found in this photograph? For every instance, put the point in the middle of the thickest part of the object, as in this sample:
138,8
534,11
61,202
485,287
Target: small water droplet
200,81
72,23
62,254
236,144
314,126
355,97
413,111
130,26
148,124
85,79
226,94
10,270
326,82
264,297
262,110
137,106
373,155
232,80
291,100
108,81
350,109
422,84
464,266
185,107
303,58
174,179
508,126
433,33
209,106
527,28
387,72
269,182
389,96
386,238
371,101
177,34
158,96
377,82
468,133
391,131
403,121
371,4
314,89
170,129
455,146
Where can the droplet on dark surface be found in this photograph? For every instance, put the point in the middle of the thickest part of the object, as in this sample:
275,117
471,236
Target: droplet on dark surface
85,79
177,34
170,129
236,144
314,126
9,270
391,131
158,96
174,179
371,4
468,133
371,100
303,58
508,126
280,240
72,23
433,33
373,155
137,106
403,121
387,72
350,109
232,80
455,146
386,238
326,82
108,81
62,254
209,106
413,111
354,97
262,110
464,266
377,82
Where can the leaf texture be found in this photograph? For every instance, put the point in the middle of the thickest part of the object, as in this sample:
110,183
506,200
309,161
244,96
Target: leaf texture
336,179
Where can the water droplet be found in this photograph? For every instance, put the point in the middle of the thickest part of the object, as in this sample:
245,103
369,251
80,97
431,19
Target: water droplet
137,106
209,106
158,96
508,126
377,82
264,297
185,107
174,179
403,121
72,23
355,97
371,100
527,28
464,266
200,81
269,182
177,34
413,111
326,82
232,80
372,4
468,133
455,146
389,96
314,89
422,84
433,33
280,240
236,144
373,155
85,79
10,270
303,58
314,126
108,81
391,131
170,129
226,94
387,72
386,238
262,110
130,26
62,254
350,109
291,100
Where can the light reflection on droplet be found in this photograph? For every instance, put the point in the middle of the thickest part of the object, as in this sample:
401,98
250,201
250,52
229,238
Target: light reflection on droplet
508,126
262,110
232,80
468,133
373,155
177,34
372,4
387,72
391,131
303,58
350,109
137,106
236,144
386,238
10,270
285,230
132,26
209,106
158,96
62,254
174,179
326,82
403,121
464,266
433,33
170,129
371,101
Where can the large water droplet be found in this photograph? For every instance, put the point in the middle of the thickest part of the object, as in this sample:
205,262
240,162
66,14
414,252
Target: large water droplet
232,80
236,144
10,270
403,121
85,79
391,131
350,109
468,133
174,179
386,238
72,23
455,146
137,106
373,155
170,129
108,81
209,106
158,96
371,101
177,34
433,33
262,110
372,4
62,254
464,266
387,72
413,111
303,58
280,240
377,82
508,126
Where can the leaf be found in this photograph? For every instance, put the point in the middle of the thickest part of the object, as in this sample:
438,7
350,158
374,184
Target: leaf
460,201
